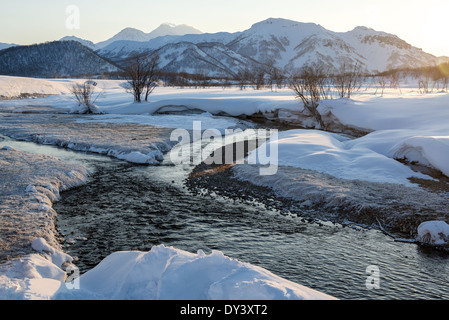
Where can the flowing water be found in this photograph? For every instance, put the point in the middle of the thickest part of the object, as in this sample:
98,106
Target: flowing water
126,207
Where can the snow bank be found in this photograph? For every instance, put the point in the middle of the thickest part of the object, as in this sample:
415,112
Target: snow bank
11,86
408,110
134,143
227,104
169,274
434,233
32,277
208,121
430,151
30,184
415,126
163,273
16,86
338,156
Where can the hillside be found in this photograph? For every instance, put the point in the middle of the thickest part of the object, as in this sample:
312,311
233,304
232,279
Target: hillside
53,59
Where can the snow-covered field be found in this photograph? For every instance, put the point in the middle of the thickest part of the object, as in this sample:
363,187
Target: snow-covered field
407,125
404,125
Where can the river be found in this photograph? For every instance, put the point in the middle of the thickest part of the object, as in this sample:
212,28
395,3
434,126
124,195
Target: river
125,207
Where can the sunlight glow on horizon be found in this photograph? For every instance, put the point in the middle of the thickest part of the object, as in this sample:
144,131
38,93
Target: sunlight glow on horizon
421,25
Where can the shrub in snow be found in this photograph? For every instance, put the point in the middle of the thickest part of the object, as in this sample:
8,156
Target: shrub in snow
433,233
84,95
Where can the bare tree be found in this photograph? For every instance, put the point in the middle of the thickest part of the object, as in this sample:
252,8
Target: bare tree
142,75
242,77
259,78
151,83
443,69
84,93
394,80
444,83
381,84
309,86
346,82
424,83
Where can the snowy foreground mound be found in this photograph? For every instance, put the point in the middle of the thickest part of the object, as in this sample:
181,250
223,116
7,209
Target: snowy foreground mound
163,273
434,233
369,158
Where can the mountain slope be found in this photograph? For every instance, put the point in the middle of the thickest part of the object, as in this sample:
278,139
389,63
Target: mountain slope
54,59
211,59
165,29
86,43
386,51
169,29
4,46
288,45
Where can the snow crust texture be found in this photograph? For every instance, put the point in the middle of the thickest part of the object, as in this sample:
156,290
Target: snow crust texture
31,183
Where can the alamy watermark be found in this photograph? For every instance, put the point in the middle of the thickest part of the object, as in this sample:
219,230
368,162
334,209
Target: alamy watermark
373,280
213,146
73,20
73,278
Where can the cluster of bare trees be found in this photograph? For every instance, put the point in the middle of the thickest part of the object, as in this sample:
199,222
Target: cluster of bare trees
312,84
428,79
435,78
259,77
142,74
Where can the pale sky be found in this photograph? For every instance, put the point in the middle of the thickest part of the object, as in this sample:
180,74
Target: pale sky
423,24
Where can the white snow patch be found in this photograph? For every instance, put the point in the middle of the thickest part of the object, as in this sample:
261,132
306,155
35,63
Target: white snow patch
153,157
428,150
333,154
163,273
433,233
167,273
57,257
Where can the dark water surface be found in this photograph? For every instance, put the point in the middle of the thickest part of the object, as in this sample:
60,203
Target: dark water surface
125,207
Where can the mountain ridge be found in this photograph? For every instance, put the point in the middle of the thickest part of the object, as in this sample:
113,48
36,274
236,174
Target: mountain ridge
292,44
132,34
284,44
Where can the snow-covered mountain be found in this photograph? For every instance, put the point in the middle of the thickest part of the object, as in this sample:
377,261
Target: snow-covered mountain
6,45
211,59
165,29
170,29
285,43
54,59
86,43
385,51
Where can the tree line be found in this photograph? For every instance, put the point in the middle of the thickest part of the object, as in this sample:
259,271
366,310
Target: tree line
311,84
